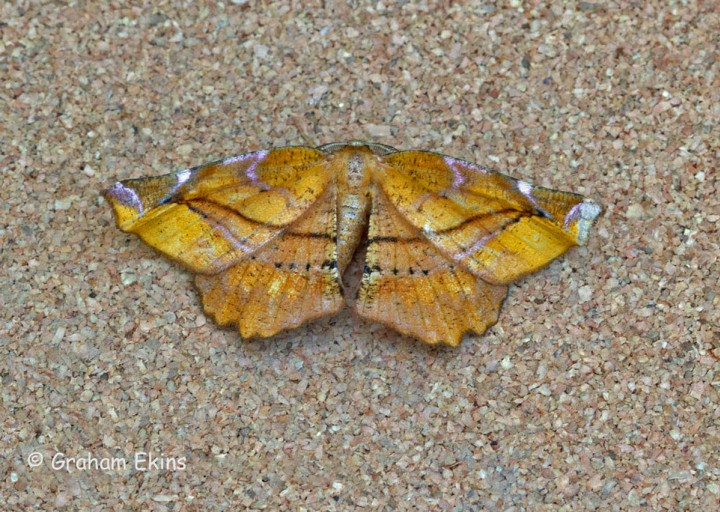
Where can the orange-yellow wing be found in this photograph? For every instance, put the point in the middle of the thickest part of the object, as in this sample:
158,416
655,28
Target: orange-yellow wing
496,227
258,229
213,216
411,286
288,282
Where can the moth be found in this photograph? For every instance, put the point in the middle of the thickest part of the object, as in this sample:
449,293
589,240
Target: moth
270,234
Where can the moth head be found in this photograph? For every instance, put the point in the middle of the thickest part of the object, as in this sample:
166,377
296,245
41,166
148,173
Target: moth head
376,148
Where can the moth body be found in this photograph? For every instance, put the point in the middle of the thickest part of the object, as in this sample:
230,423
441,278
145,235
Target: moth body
269,235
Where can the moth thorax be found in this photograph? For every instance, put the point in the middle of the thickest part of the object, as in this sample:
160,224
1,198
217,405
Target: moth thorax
356,174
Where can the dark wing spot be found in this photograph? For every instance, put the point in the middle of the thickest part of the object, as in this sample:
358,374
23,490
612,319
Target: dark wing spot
329,264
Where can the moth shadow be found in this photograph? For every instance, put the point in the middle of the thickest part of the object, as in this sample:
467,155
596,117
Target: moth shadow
343,332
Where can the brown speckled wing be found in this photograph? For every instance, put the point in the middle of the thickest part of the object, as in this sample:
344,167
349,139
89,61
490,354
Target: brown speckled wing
411,286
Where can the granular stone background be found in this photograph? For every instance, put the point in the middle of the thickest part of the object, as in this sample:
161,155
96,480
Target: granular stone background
597,389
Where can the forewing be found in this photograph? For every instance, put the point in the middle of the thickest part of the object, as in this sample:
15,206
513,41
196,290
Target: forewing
210,217
411,286
495,226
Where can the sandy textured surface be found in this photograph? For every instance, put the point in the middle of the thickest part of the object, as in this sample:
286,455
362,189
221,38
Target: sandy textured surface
597,389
